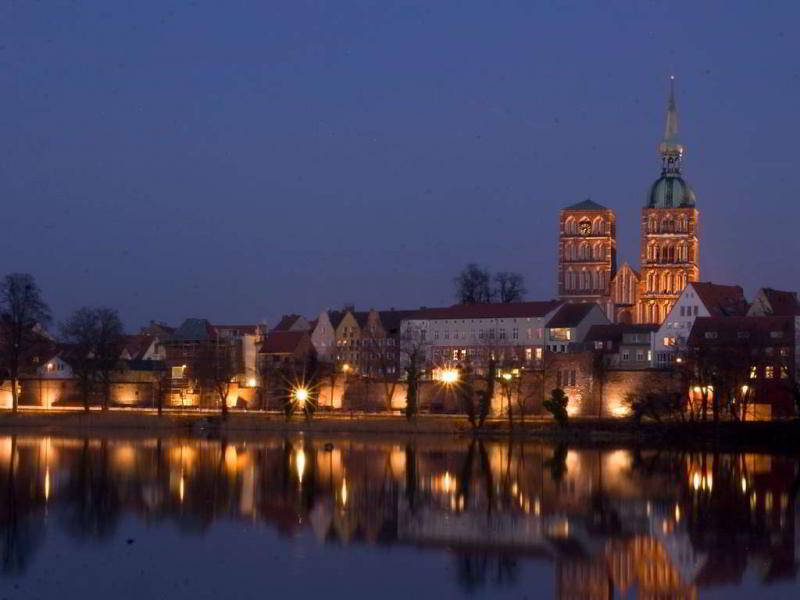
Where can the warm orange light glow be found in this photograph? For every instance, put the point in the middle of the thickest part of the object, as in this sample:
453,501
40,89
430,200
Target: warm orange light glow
345,367
677,513
301,395
448,376
47,484
300,464
344,492
181,488
251,382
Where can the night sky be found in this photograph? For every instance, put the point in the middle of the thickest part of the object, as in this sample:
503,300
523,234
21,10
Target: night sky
237,160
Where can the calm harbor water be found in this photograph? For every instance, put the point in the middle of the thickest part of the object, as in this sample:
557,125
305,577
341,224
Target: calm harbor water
351,517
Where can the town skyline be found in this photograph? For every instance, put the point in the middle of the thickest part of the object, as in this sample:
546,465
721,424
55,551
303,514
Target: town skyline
316,169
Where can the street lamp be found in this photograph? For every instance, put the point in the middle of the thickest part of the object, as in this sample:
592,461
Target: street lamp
301,395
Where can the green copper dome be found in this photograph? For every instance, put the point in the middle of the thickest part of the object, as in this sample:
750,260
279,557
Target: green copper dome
670,191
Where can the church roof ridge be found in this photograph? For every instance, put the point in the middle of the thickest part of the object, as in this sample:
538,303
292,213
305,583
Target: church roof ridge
587,204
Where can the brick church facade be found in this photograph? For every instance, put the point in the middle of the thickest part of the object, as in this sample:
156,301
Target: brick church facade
587,252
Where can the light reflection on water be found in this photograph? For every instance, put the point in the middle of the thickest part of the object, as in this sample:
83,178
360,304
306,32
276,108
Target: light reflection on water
200,518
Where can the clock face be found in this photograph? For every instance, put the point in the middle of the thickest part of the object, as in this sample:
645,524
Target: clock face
585,228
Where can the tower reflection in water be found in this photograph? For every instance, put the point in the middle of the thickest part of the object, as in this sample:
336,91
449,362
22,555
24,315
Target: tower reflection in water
610,521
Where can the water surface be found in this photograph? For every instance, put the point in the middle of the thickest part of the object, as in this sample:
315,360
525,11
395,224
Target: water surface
351,517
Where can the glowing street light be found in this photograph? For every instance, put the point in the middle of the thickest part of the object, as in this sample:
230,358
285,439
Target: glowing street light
301,395
449,376
251,382
345,367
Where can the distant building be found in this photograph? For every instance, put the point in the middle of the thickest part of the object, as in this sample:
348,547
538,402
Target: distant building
698,299
469,332
566,330
624,346
323,334
754,359
284,347
587,254
669,244
769,302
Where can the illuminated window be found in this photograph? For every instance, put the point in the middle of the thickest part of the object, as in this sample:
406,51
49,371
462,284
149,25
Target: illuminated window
769,372
753,372
177,372
528,353
784,372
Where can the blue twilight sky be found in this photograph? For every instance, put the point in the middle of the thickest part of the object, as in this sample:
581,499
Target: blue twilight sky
241,159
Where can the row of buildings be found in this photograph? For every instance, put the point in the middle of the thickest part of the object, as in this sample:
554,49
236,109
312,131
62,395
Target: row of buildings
710,327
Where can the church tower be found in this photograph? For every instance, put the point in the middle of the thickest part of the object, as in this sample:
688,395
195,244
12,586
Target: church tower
587,254
669,230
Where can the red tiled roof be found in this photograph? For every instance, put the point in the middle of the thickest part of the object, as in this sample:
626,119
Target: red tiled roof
137,345
782,303
282,342
721,300
286,322
570,315
758,329
519,310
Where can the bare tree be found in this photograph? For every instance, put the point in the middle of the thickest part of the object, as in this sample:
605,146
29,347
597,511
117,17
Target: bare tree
473,285
213,368
80,332
412,349
107,348
509,287
22,311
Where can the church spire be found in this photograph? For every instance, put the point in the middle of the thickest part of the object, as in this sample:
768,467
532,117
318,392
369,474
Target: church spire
670,147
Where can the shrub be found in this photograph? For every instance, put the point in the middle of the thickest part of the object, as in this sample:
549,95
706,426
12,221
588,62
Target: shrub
557,406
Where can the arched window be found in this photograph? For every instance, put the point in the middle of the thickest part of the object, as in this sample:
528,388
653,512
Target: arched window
653,225
584,251
597,226
598,251
671,254
569,226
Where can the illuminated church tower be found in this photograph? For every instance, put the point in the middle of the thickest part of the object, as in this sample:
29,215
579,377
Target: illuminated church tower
669,230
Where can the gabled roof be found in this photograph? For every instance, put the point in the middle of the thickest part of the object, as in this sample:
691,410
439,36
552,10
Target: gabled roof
157,328
721,300
780,302
627,266
571,315
519,310
283,342
192,330
137,345
287,322
587,204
